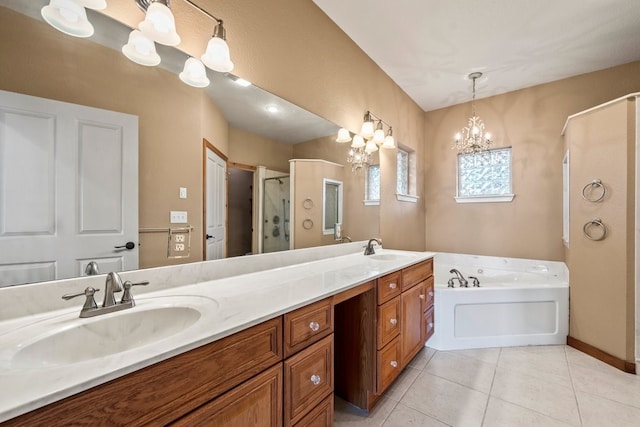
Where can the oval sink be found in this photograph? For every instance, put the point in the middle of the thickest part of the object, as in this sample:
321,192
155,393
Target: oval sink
101,336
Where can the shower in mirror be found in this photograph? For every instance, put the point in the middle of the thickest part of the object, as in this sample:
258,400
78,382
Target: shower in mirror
276,225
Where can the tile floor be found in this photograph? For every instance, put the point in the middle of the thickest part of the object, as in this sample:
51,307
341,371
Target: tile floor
514,386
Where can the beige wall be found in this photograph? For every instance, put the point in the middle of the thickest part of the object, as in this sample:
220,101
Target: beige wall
253,150
529,120
602,146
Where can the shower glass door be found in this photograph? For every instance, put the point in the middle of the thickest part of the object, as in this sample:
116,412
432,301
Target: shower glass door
276,231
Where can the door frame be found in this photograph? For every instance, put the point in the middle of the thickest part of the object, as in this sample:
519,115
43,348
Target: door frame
254,216
207,145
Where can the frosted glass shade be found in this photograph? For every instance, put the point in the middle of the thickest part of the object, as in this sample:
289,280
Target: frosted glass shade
378,136
217,57
94,4
67,16
358,141
160,25
389,142
194,73
343,135
367,130
370,147
141,49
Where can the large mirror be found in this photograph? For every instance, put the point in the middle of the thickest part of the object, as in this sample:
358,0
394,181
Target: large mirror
254,132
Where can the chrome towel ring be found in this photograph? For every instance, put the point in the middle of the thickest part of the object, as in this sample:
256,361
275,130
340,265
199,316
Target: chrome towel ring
591,190
307,224
591,226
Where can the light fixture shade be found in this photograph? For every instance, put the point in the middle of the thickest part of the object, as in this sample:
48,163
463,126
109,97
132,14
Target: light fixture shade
367,130
389,142
67,16
343,135
141,49
217,56
160,25
358,141
370,147
194,73
94,4
378,136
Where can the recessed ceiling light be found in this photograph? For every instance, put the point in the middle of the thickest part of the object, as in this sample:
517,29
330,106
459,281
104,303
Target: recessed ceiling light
272,108
243,82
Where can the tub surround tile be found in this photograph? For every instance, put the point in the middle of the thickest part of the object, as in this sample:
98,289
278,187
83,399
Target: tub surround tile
501,413
597,411
448,402
462,370
403,416
533,392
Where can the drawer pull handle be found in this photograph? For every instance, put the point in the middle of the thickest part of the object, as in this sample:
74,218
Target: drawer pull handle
430,293
393,321
314,326
421,296
315,379
392,285
394,363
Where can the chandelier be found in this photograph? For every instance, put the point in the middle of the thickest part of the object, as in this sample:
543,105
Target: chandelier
473,138
364,144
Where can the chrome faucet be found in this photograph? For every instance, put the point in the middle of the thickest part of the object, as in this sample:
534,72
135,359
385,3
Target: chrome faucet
92,269
112,285
459,277
368,250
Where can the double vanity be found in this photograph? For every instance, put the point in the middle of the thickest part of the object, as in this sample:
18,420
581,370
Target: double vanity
265,339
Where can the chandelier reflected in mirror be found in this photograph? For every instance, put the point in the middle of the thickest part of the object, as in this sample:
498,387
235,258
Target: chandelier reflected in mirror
473,138
367,142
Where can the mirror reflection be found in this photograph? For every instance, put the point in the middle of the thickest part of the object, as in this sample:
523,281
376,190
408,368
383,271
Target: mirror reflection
176,126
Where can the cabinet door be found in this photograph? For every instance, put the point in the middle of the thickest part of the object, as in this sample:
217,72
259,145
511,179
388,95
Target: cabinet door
388,322
388,365
257,402
320,416
411,322
428,324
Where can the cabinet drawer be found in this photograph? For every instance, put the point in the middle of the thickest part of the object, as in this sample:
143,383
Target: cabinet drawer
416,273
320,416
308,379
429,292
388,361
388,322
307,325
429,322
389,286
257,402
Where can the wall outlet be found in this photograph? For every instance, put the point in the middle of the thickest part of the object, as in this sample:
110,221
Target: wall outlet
178,217
179,238
179,247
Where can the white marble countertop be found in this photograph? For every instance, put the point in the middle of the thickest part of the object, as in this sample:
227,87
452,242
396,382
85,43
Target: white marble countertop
227,305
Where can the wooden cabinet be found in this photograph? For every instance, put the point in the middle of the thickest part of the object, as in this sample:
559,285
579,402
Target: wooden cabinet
412,309
388,365
257,402
388,325
307,325
389,286
429,319
320,416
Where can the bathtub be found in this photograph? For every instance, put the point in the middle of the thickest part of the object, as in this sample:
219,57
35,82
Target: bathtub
519,302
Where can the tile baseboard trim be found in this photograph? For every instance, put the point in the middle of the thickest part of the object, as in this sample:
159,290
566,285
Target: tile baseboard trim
623,365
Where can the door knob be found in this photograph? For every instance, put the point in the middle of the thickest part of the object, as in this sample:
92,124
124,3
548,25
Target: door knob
128,245
209,236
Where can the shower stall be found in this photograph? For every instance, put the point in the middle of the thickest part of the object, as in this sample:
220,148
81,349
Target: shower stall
276,221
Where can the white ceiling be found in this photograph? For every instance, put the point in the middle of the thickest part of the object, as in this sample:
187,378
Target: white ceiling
428,47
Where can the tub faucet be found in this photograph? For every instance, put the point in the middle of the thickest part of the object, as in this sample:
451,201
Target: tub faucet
368,250
459,277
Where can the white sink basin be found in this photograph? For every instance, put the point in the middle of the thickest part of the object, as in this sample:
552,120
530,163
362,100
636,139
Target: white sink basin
78,340
388,257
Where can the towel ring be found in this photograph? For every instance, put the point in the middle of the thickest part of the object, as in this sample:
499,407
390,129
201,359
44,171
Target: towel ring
595,223
307,224
590,196
307,204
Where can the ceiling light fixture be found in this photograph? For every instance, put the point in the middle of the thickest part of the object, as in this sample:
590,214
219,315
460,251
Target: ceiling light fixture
367,141
473,138
194,73
141,49
159,23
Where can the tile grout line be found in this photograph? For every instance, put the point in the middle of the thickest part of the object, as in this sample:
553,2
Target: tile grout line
493,380
573,387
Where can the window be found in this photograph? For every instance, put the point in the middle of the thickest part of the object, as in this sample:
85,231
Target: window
485,177
332,205
372,185
406,175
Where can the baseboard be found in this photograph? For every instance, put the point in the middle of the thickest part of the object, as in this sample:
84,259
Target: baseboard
592,351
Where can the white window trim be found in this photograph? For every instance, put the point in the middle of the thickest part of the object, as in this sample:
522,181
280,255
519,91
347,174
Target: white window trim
325,181
486,199
371,202
407,198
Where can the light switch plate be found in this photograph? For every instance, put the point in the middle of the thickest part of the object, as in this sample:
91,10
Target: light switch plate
178,217
183,192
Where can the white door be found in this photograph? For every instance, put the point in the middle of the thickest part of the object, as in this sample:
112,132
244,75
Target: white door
216,198
68,189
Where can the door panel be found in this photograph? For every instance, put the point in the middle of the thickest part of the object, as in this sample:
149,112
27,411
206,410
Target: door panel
68,189
216,199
